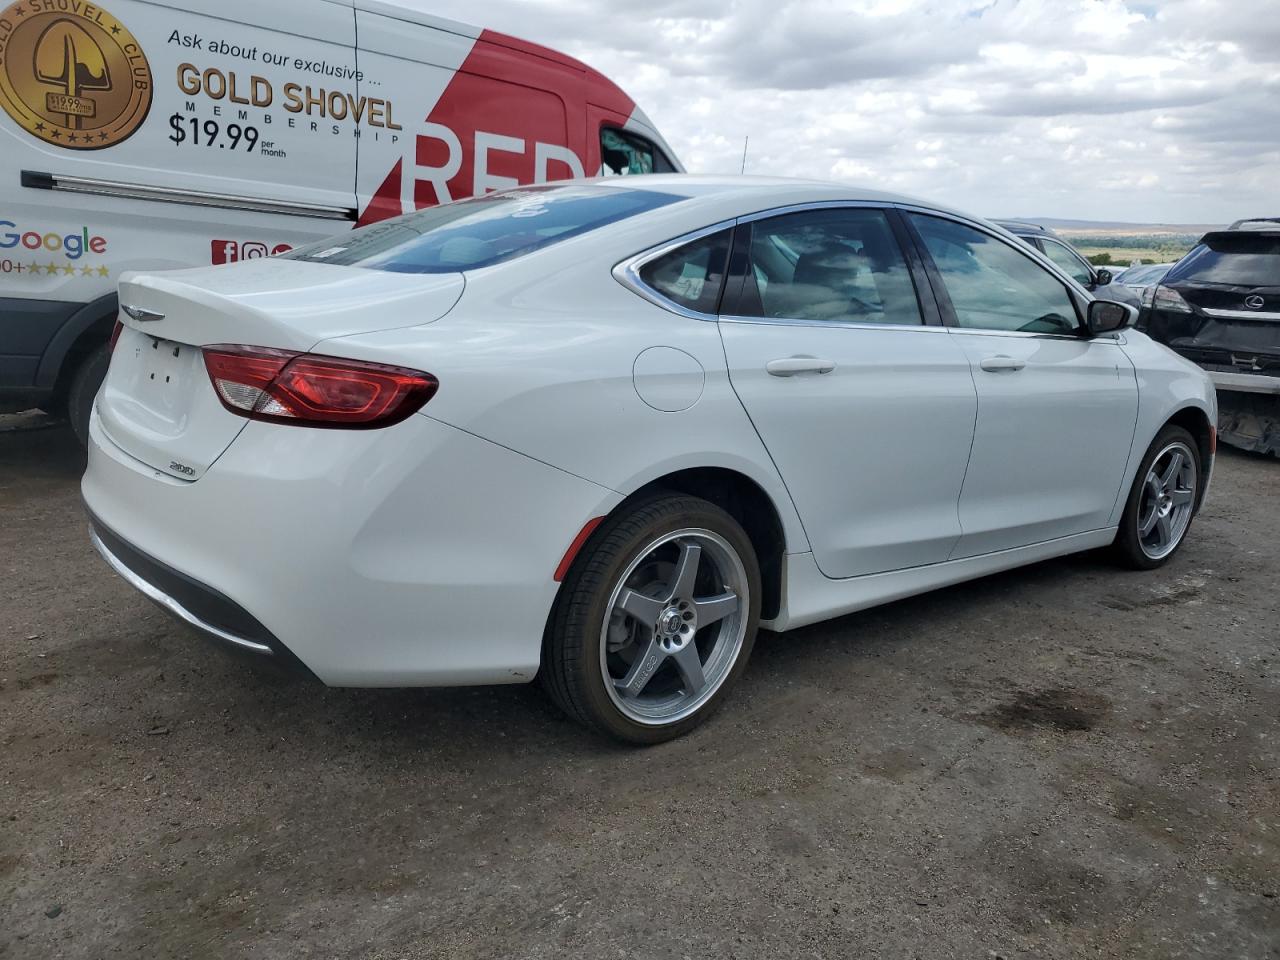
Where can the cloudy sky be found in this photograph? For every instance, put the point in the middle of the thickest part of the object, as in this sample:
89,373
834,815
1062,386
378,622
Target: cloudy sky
1139,110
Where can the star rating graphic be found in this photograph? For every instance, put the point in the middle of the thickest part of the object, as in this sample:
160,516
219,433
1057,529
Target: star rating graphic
53,268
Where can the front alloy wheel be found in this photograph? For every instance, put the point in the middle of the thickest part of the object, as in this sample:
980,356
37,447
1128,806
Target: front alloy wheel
1162,502
655,620
1167,500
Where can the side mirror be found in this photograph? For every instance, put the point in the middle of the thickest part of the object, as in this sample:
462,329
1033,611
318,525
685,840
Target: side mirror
1107,316
1103,277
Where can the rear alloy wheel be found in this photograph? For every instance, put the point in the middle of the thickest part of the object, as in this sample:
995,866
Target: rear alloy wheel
1162,502
655,621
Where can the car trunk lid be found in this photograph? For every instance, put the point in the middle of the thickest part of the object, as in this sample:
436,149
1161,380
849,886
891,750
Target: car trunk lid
158,404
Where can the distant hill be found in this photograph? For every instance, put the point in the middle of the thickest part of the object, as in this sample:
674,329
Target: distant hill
1116,226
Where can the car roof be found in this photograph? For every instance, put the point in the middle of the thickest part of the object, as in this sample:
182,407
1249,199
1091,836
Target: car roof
768,192
1022,226
1257,225
700,185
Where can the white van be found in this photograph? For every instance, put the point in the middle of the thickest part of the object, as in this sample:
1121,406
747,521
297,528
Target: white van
155,134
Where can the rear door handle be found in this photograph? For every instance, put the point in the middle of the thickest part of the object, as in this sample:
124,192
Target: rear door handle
790,366
1002,363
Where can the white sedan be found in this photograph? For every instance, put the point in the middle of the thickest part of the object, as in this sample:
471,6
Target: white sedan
601,432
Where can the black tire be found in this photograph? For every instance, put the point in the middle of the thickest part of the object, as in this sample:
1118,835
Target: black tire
1128,547
572,660
55,407
84,388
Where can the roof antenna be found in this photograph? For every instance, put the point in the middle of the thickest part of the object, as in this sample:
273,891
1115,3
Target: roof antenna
745,141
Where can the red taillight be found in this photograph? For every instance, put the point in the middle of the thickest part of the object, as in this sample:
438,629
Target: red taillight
287,387
115,335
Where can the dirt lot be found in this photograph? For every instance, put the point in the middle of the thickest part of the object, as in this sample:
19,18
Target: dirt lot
1064,761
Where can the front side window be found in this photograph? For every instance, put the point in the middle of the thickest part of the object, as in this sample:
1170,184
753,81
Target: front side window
482,231
1068,262
991,285
693,274
829,265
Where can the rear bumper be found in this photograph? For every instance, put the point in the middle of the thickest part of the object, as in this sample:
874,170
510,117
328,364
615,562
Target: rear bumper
1245,382
416,555
214,616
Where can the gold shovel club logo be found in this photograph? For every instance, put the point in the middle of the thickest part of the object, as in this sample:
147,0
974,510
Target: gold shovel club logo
71,74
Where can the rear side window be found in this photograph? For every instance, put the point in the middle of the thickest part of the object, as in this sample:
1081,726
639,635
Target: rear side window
1241,259
626,154
480,232
829,265
692,275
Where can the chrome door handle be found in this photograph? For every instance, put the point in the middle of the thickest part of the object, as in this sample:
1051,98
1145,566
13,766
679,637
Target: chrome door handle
790,366
1002,363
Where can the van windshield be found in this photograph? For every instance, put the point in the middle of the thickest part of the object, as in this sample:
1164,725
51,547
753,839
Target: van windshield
482,231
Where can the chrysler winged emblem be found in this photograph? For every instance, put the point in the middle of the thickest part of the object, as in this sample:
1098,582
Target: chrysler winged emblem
139,314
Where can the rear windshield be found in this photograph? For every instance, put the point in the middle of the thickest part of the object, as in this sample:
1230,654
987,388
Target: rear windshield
482,231
1242,259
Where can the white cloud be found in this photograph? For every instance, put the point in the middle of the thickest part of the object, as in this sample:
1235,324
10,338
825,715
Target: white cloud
1107,109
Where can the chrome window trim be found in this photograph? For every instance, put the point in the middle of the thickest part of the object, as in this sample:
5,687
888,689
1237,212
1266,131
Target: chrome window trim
1241,314
154,593
627,272
1117,339
123,190
843,324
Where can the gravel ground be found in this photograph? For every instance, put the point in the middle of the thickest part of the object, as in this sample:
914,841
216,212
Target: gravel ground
1063,761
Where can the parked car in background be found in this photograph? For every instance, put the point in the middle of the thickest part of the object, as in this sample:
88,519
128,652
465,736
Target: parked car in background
1142,278
599,432
1220,306
177,133
1142,275
1097,280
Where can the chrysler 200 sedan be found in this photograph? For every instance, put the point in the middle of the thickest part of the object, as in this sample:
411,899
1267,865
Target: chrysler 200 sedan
601,432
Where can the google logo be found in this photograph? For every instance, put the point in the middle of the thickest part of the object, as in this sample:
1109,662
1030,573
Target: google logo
73,245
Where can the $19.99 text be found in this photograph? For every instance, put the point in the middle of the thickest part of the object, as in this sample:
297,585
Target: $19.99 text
210,133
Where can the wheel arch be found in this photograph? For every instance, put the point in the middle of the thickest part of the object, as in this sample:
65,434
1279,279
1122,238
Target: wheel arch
84,330
1196,422
740,496
748,503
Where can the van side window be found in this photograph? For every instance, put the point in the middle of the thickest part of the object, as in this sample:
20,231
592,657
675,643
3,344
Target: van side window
693,274
626,154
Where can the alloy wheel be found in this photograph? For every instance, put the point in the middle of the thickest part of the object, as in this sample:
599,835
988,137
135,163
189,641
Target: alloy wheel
1167,500
674,626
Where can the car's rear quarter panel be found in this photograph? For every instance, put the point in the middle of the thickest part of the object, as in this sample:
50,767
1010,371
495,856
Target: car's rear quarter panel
398,557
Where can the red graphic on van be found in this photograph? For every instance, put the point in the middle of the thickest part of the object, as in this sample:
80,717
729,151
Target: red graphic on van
229,251
511,115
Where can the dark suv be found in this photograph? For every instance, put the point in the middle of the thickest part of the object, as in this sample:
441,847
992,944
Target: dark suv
1220,307
1096,280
